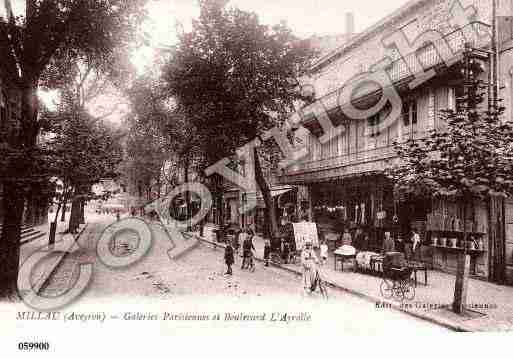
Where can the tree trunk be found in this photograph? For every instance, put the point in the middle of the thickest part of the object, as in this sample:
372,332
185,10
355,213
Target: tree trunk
41,214
220,211
202,227
64,204
30,212
462,270
82,216
187,194
13,204
53,225
497,240
218,198
24,140
74,218
271,228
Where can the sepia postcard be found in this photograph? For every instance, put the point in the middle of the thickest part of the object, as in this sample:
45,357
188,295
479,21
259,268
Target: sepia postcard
256,178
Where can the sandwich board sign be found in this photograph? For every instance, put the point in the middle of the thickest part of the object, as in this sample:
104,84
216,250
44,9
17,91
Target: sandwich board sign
304,231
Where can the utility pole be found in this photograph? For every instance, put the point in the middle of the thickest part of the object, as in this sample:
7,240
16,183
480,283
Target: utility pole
495,57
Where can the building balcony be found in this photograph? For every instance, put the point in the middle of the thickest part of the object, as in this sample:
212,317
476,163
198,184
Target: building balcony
402,71
356,163
476,35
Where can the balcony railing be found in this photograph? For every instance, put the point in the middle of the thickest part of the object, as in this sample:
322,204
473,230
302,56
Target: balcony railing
375,154
476,34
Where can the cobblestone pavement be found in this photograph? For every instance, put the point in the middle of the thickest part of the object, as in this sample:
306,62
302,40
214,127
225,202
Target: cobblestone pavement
198,277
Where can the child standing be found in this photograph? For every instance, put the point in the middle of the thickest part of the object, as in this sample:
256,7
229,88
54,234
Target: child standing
267,252
228,258
324,252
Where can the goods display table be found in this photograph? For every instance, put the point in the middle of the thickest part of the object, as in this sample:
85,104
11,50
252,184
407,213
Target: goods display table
341,258
376,263
343,254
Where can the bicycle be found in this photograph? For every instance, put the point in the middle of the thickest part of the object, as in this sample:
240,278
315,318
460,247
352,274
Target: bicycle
398,284
320,283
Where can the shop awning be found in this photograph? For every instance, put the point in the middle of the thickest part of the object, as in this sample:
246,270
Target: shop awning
113,206
275,193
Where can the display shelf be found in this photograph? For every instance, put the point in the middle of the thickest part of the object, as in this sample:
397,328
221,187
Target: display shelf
472,252
455,232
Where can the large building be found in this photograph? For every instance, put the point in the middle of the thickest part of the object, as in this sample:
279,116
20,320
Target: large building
342,180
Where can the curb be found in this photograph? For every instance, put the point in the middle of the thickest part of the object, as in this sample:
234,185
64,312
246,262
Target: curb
181,251
373,299
54,265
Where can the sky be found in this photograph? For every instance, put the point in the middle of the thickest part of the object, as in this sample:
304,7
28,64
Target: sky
304,17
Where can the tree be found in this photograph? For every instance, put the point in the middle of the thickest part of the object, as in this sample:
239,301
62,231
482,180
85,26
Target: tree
163,137
472,158
83,81
28,45
143,158
232,76
82,151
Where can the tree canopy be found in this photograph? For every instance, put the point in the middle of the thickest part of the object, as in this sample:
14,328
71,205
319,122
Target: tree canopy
471,157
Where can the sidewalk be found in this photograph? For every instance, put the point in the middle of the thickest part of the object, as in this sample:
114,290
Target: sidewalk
63,242
491,304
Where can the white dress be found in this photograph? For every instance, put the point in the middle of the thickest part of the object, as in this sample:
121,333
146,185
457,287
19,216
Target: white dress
308,260
324,251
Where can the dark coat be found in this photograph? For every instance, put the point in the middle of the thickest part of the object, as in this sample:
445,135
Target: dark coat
388,245
267,251
399,246
361,243
247,246
228,255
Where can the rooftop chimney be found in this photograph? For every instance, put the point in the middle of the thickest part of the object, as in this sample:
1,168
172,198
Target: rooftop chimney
349,23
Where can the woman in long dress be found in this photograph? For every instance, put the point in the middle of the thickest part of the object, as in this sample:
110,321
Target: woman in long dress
309,262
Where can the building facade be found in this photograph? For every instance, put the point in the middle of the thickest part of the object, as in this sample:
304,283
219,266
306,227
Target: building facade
341,180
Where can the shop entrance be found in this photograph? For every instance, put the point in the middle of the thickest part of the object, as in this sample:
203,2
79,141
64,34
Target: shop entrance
364,202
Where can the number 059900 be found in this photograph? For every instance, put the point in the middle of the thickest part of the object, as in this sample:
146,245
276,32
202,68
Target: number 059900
28,346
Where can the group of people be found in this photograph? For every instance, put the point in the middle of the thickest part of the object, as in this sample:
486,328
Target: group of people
248,251
309,259
410,247
361,242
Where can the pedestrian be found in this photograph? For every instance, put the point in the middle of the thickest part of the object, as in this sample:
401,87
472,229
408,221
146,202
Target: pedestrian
286,252
235,242
228,258
247,250
415,240
400,245
324,252
347,240
267,252
241,238
293,248
388,244
359,240
117,216
308,261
